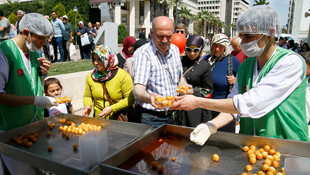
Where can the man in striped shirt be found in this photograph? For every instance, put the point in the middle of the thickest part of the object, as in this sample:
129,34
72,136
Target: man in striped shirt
158,71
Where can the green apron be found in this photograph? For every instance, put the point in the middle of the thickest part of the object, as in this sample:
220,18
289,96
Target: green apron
288,119
20,83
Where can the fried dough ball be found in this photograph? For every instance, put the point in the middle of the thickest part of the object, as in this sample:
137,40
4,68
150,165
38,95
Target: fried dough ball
267,148
282,170
260,172
246,148
265,154
154,164
253,147
62,120
272,169
272,151
252,160
275,164
270,157
160,169
48,133
50,148
248,168
259,156
265,167
267,161
216,157
75,147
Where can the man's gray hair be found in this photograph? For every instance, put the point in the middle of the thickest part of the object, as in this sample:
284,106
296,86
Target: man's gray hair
20,11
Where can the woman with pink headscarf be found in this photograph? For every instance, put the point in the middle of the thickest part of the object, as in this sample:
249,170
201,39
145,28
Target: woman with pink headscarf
127,52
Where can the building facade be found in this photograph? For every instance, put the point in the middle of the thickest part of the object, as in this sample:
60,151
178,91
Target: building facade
298,21
139,14
227,11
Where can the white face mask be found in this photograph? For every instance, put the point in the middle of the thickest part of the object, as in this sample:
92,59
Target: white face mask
31,47
251,49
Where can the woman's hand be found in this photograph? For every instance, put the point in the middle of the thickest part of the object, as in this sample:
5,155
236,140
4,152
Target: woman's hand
105,112
78,33
87,111
231,79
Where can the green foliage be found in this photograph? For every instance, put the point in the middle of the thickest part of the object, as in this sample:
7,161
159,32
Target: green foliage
13,18
122,33
45,7
59,9
70,67
260,2
71,19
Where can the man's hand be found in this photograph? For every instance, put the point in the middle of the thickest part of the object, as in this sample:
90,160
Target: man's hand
202,132
44,101
44,65
186,102
87,111
231,79
105,112
152,100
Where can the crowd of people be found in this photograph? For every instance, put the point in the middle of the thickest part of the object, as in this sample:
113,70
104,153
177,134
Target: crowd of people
252,79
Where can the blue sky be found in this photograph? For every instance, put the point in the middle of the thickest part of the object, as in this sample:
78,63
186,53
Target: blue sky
281,6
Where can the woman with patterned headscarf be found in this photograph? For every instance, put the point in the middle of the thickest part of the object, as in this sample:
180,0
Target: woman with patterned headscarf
127,51
197,73
117,83
224,70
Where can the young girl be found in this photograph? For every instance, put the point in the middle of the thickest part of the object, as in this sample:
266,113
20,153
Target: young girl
53,88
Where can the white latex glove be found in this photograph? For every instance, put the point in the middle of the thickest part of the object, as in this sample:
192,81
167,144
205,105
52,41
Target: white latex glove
44,101
202,132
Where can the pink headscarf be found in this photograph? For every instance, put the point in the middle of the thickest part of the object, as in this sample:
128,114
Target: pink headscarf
128,41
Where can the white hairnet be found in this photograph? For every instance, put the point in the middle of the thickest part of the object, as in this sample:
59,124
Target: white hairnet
260,19
37,24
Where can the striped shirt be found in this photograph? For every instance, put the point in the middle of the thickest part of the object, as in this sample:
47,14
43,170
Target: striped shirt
157,72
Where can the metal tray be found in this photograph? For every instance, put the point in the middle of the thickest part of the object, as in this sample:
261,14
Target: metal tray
137,157
119,135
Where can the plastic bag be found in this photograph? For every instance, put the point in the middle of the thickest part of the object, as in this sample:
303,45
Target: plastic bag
72,49
84,39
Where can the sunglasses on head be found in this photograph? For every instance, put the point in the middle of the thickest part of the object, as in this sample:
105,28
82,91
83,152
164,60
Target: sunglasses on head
196,50
180,31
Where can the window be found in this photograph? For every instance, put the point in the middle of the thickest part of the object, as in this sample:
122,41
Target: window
124,19
141,12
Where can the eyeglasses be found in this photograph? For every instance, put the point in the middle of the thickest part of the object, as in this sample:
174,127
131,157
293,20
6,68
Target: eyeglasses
180,31
196,50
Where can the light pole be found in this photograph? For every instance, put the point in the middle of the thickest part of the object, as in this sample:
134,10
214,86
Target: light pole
75,9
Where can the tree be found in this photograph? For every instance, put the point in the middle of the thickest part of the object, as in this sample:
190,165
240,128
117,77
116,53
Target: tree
260,2
12,18
71,20
122,33
184,13
59,9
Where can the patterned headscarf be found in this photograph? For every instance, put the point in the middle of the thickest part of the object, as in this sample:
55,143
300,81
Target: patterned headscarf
109,60
128,41
221,39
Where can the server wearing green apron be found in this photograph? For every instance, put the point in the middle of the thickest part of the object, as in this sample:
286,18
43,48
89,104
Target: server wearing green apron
269,96
21,75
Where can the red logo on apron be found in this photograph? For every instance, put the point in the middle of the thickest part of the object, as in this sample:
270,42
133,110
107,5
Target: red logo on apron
246,89
20,72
